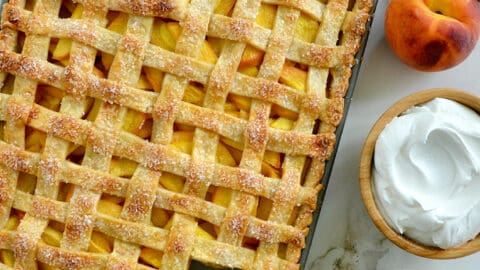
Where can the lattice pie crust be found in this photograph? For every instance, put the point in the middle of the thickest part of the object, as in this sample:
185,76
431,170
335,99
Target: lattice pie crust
148,134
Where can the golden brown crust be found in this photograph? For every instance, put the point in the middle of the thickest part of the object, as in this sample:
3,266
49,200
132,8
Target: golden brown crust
66,191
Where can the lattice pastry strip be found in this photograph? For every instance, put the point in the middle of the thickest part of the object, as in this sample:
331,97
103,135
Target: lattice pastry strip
29,231
81,60
139,196
300,51
182,238
277,47
139,134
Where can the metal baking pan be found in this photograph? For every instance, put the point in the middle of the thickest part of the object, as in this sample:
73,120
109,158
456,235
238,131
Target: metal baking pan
329,164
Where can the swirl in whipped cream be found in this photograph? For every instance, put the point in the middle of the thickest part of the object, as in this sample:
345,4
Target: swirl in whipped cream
426,173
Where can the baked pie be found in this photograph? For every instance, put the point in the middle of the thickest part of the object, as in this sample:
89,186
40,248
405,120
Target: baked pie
150,134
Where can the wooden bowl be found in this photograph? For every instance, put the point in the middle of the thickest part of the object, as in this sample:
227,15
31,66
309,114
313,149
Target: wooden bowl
366,160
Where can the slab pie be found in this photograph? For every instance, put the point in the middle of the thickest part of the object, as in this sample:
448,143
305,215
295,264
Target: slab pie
150,134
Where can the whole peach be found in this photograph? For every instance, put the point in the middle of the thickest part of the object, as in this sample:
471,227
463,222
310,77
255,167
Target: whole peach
432,35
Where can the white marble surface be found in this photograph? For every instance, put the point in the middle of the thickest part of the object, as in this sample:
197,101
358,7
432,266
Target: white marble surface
345,238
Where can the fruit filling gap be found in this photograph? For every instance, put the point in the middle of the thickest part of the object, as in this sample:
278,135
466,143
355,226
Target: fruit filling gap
149,134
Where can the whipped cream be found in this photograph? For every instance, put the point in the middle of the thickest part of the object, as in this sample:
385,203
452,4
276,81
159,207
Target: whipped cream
426,173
